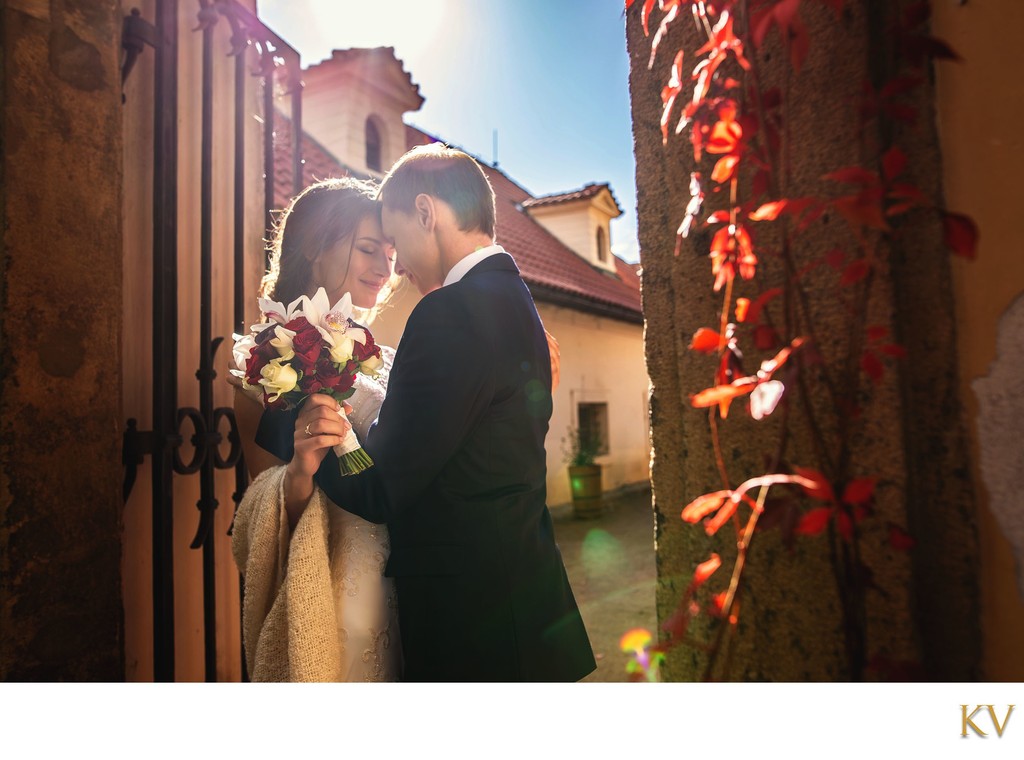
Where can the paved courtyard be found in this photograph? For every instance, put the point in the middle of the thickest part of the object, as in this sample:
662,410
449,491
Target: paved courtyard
610,562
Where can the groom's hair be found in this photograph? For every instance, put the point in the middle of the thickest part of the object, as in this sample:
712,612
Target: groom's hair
444,173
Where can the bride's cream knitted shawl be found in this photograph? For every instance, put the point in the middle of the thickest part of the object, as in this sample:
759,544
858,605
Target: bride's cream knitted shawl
289,622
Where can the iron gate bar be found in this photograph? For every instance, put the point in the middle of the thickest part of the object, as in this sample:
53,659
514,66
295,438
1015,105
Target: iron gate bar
165,332
241,476
207,503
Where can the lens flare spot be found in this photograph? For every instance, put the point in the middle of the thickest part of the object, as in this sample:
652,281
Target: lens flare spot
635,640
603,555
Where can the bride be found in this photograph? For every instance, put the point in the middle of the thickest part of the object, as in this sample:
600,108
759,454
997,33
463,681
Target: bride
317,606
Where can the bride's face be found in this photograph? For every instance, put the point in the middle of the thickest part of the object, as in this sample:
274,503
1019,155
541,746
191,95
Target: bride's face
364,273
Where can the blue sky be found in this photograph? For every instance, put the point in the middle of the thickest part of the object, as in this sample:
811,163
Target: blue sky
550,75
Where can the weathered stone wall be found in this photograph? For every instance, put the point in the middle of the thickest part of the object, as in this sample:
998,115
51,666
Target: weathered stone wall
909,434
60,342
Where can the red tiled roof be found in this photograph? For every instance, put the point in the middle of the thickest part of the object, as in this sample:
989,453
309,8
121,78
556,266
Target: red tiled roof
545,262
584,193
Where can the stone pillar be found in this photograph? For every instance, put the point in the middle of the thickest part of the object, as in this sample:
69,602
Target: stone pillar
923,618
60,338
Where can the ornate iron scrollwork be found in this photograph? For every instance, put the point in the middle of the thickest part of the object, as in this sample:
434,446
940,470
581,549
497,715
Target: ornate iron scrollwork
136,33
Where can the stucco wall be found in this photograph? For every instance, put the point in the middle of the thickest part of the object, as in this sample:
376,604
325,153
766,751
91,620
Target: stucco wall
60,343
980,109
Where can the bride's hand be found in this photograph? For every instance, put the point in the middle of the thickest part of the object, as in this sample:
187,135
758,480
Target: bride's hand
318,428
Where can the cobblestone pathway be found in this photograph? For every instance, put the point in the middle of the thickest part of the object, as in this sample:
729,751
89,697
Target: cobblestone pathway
610,563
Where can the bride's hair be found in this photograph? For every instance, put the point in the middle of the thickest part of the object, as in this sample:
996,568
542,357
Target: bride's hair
316,220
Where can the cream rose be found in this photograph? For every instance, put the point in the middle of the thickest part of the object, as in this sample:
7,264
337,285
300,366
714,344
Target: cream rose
278,378
341,351
371,365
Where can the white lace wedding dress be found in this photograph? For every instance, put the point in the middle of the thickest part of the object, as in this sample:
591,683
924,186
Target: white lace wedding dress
367,605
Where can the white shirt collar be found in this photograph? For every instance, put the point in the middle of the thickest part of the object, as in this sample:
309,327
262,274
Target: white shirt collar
464,265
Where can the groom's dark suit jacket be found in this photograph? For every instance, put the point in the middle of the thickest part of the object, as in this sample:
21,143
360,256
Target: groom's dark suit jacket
459,478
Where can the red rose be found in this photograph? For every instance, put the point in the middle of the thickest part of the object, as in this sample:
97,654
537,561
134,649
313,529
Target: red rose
361,352
259,358
307,344
337,381
310,384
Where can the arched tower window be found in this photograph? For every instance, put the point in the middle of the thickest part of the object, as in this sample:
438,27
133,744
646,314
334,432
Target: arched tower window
602,246
373,146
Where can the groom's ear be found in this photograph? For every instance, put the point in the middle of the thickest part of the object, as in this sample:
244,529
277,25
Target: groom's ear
425,211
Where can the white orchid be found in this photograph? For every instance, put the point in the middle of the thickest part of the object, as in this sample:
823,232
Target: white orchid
331,321
240,352
282,341
276,310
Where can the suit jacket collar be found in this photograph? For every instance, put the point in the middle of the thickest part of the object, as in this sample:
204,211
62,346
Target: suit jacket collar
499,262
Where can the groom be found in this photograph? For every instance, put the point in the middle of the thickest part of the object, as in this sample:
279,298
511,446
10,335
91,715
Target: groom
458,447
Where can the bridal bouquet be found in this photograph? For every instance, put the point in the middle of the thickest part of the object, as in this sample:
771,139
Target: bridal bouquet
310,347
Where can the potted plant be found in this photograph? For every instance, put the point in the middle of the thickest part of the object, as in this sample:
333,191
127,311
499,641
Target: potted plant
580,451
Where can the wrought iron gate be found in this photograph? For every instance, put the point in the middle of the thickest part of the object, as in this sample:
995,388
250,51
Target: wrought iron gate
277,61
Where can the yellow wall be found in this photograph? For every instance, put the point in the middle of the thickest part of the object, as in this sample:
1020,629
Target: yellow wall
980,112
137,353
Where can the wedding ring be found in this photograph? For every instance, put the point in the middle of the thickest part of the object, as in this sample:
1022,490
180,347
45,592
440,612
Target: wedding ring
307,430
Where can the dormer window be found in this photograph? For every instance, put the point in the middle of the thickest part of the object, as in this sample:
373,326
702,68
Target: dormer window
373,146
579,219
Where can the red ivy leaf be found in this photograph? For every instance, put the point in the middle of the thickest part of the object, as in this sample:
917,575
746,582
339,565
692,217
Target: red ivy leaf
855,272
725,168
893,162
754,313
645,16
769,211
863,209
705,570
724,515
721,394
814,522
877,332
821,489
765,338
961,234
856,175
835,259
742,309
705,340
704,505
899,539
859,491
872,365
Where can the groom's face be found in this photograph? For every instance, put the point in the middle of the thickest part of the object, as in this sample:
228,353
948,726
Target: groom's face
416,254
